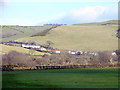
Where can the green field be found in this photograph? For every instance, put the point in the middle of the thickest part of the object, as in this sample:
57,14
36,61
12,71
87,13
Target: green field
62,78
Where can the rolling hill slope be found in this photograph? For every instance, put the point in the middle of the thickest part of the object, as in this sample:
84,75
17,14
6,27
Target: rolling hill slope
15,32
110,22
6,49
85,37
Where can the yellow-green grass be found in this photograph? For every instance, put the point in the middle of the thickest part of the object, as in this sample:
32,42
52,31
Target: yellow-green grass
27,32
6,49
110,22
80,37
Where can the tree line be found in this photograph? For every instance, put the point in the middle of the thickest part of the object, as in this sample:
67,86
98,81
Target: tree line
22,60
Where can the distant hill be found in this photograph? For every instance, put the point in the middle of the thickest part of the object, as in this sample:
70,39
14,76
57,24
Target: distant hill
16,32
85,37
110,22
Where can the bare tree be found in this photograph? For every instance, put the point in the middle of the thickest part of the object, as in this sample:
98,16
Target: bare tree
19,59
104,58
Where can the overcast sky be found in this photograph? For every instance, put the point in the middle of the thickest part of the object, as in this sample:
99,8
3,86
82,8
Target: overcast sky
38,12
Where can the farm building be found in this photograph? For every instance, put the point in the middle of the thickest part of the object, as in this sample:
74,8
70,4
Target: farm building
42,49
54,51
85,52
30,46
93,53
57,51
72,52
75,52
114,54
79,52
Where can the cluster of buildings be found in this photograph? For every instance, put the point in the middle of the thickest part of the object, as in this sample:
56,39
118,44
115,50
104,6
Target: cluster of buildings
30,46
42,49
37,47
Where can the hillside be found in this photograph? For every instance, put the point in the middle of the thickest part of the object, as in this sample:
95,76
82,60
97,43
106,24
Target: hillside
85,37
110,22
15,32
6,49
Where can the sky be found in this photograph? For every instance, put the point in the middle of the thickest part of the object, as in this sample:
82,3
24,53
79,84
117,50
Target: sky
39,12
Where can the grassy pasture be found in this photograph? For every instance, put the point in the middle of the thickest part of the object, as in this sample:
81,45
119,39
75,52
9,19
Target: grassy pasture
80,37
62,78
110,22
85,37
21,31
6,49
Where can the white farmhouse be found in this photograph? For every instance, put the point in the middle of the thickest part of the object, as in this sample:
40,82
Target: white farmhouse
72,52
81,52
93,53
85,52
43,49
25,46
57,51
30,46
113,53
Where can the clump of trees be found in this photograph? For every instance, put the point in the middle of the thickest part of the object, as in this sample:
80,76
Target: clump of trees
102,59
19,59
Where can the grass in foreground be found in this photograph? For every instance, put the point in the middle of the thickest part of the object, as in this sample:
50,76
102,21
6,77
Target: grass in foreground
62,78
